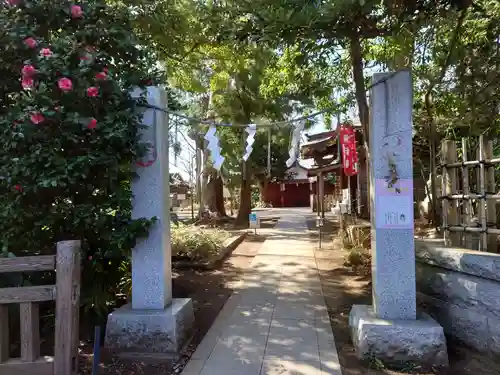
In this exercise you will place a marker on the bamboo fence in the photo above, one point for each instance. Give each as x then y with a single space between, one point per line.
469 205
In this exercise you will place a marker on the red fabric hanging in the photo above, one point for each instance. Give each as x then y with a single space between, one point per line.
349 153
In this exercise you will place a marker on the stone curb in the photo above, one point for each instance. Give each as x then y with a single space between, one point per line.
229 245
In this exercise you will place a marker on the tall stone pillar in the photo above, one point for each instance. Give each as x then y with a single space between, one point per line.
153 322
391 329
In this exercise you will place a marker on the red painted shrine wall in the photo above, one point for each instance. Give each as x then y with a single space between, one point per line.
295 194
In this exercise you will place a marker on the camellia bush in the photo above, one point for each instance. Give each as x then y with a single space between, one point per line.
69 134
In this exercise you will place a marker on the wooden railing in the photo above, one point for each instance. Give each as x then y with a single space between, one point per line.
66 293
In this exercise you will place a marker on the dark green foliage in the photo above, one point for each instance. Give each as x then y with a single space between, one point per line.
69 141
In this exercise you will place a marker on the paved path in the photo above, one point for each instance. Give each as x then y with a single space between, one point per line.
277 322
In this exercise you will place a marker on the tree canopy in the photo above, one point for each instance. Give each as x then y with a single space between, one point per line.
260 60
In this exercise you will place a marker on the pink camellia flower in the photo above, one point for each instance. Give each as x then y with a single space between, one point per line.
13 2
37 118
28 71
46 52
92 91
30 42
76 11
65 84
100 76
92 124
18 187
27 83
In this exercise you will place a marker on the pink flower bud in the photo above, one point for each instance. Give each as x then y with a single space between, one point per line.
18 187
76 11
27 83
46 52
37 118
65 84
100 76
92 91
92 124
28 71
30 42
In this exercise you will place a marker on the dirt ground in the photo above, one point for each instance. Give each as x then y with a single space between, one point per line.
209 291
344 287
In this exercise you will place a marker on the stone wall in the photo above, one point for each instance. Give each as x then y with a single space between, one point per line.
461 289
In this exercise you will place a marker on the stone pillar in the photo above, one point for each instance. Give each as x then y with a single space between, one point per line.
390 330
151 257
393 264
153 322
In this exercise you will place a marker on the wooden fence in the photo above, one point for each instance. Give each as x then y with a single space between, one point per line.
469 195
66 293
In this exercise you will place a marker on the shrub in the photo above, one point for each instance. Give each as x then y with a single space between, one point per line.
69 133
354 258
196 243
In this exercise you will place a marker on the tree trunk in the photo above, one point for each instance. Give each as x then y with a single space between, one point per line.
198 177
245 199
213 197
264 190
432 157
219 196
364 114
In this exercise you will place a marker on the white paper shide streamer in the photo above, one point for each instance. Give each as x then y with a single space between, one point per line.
294 144
251 129
214 148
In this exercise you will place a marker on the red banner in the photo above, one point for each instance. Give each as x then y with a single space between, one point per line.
349 152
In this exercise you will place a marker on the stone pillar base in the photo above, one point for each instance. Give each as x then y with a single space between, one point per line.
398 343
139 333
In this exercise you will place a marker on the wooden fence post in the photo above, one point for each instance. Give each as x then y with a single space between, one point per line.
483 244
30 331
449 176
491 211
67 307
467 206
4 333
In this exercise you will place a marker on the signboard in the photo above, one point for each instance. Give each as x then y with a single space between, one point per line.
394 205
346 200
349 152
254 221
181 197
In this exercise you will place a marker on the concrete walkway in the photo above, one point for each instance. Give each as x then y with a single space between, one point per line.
277 322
